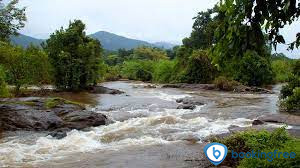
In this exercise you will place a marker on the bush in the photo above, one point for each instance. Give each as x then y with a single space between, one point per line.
200 68
112 73
259 140
138 70
291 146
290 93
163 71
254 70
225 84
3 87
292 102
282 70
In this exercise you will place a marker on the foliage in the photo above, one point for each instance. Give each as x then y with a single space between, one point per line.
225 84
200 68
39 66
56 101
292 146
258 140
202 36
74 57
259 14
148 53
3 87
138 70
112 73
24 66
290 93
282 70
292 102
12 19
163 71
254 70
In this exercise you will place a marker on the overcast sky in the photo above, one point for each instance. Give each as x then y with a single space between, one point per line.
150 20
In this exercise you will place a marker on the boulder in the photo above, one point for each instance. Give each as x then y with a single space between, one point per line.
186 106
281 118
257 122
104 90
34 115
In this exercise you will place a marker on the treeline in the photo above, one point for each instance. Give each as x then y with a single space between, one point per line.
221 49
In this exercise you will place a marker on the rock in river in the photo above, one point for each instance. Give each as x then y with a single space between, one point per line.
47 114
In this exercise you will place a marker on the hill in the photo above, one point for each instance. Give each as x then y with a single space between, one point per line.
25 41
108 40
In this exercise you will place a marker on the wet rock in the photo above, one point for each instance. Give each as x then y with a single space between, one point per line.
257 122
172 86
186 106
104 90
247 89
60 134
18 114
150 86
281 118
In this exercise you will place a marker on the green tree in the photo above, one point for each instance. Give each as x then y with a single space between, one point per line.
12 19
74 56
236 39
200 69
3 86
290 93
40 68
24 66
202 36
148 53
17 65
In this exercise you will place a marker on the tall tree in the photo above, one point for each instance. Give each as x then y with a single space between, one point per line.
202 36
74 56
12 19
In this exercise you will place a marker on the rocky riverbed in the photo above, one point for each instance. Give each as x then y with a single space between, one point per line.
131 125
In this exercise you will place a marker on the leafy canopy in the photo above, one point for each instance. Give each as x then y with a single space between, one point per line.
74 56
12 19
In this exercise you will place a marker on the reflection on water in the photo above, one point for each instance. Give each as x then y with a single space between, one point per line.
142 117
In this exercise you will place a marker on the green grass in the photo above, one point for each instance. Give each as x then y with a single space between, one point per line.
56 101
264 141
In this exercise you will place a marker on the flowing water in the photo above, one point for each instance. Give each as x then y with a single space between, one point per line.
144 119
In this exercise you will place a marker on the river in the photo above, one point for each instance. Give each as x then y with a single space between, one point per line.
148 129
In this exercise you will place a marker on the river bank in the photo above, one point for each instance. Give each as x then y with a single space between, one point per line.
148 128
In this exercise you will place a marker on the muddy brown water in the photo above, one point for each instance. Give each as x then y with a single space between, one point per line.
149 130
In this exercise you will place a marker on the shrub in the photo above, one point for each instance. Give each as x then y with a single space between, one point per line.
282 70
200 68
254 70
3 87
163 71
138 70
291 146
292 102
264 141
225 84
290 93
112 73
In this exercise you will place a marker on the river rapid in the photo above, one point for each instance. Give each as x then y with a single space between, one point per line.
148 129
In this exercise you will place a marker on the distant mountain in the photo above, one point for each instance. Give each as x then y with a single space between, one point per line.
25 41
112 41
108 40
164 45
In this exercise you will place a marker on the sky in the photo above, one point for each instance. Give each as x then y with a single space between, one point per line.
149 20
